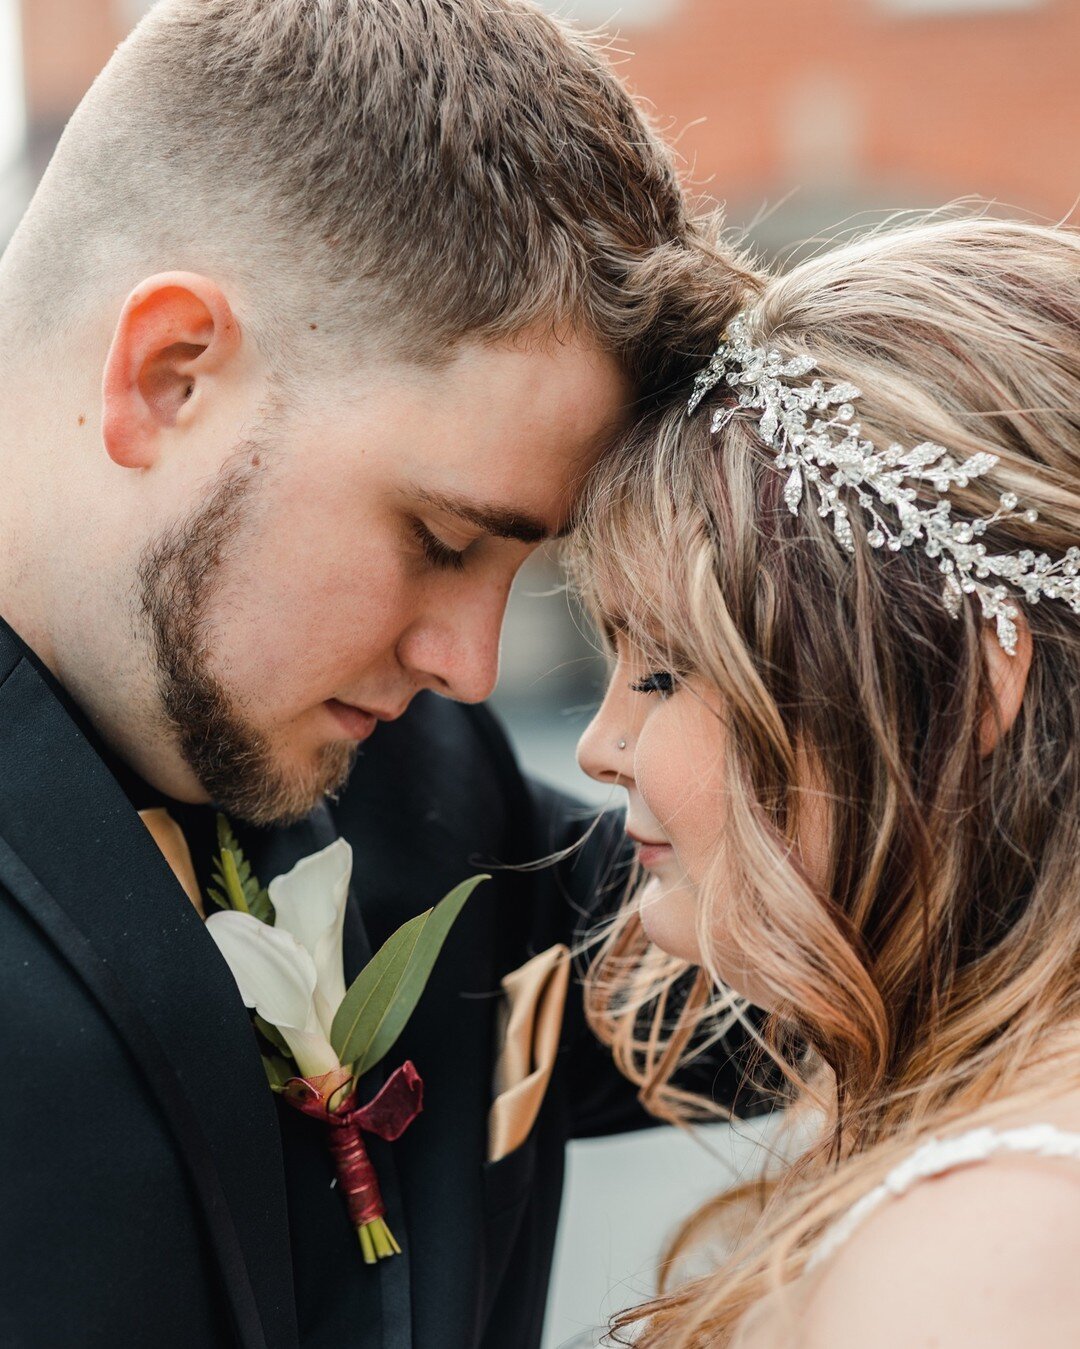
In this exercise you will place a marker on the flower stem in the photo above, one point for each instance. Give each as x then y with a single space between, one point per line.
377 1241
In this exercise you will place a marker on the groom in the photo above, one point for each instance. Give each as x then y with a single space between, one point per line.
320 316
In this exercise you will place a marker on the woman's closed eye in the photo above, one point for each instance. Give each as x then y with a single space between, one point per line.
437 552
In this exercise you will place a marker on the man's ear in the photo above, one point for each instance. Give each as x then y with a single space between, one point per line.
1008 680
175 330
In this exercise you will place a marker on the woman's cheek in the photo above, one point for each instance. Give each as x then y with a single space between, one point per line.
660 773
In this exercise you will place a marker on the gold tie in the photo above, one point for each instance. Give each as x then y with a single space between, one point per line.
169 837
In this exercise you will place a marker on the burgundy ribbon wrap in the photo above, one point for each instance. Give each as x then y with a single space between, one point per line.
387 1116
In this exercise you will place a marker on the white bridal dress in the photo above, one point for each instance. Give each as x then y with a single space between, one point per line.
933 1158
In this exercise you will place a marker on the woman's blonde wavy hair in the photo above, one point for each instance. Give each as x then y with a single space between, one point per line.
924 982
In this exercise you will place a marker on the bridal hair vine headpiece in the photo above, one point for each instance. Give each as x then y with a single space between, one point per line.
817 440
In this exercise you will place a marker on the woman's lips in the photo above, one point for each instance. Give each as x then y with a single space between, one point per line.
651 855
354 721
654 855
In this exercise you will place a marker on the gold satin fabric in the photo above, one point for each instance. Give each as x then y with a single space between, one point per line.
169 837
532 1017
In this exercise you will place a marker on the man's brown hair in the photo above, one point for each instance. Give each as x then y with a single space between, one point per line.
400 173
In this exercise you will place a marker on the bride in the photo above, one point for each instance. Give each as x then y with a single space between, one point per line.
842 591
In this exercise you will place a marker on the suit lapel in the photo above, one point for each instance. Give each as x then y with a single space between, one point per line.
76 856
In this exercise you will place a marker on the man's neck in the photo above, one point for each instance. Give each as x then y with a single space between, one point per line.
138 791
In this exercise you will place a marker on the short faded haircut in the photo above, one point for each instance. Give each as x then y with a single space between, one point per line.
403 174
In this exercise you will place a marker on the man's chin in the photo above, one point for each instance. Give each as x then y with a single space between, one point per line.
280 793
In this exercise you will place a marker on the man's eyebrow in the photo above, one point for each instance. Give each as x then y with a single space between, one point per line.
503 522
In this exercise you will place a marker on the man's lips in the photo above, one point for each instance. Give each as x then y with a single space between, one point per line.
356 722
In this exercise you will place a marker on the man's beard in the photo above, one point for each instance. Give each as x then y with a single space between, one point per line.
178 576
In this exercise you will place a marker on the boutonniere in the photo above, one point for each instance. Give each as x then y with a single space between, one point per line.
283 945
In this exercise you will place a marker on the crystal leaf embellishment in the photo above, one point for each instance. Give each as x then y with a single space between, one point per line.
817 440
793 489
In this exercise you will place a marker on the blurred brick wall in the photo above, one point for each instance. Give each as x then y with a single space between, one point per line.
831 93
840 97
65 44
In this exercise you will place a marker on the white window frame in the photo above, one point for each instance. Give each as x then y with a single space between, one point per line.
955 8
14 188
12 95
613 13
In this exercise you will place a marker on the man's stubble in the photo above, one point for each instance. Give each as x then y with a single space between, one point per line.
179 574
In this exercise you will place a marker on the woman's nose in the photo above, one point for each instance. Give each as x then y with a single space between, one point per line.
603 751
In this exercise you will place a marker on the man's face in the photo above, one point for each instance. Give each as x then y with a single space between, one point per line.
353 552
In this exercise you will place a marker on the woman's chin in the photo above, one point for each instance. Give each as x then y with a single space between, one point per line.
668 909
669 916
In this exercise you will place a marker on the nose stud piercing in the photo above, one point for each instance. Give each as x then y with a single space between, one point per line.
622 744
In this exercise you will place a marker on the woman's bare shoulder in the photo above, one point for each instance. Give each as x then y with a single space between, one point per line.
984 1254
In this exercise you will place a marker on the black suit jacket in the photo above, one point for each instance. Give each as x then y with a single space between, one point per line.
153 1191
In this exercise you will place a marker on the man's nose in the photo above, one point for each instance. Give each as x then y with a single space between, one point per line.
456 652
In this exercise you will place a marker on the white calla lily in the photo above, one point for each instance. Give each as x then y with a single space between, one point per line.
277 976
291 971
309 902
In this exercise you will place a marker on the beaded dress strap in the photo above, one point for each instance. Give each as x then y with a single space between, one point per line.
939 1155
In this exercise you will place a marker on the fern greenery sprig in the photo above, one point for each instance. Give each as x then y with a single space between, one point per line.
233 884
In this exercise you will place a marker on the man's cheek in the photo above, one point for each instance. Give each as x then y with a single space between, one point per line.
261 670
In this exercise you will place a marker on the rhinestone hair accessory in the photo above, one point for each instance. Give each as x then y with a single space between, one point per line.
819 445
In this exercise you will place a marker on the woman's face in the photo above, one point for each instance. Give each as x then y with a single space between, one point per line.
661 738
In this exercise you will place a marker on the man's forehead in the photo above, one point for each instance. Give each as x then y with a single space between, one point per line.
523 486
507 455
566 391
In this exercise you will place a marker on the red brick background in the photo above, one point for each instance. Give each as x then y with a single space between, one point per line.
843 103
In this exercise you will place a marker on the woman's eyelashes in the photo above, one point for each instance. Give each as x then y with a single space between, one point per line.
663 682
438 553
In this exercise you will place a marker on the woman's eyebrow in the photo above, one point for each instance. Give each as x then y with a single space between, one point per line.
503 522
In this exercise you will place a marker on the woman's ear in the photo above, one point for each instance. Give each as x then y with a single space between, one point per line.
1008 680
175 330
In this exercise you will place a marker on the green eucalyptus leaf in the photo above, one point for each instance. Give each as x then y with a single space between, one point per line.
384 994
368 997
278 1071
